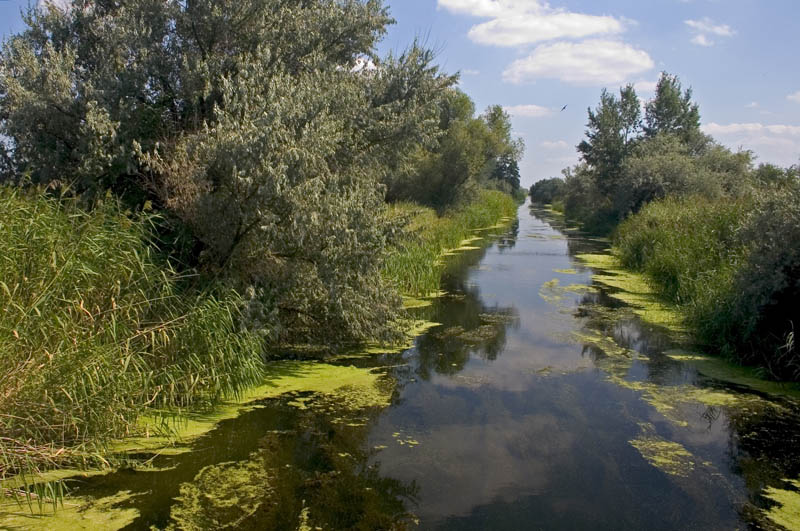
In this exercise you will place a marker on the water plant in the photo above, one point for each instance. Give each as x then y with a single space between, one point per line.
416 262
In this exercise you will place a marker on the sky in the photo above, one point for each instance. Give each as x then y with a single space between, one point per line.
533 57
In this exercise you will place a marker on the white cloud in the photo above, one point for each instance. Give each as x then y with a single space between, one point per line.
752 105
705 27
777 143
528 111
592 62
556 145
787 130
794 97
521 22
702 40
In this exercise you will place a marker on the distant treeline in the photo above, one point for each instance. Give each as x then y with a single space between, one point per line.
715 233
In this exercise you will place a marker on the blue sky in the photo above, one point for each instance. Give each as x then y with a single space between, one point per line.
533 57
739 56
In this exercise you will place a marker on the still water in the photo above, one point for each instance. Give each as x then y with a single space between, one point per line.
534 405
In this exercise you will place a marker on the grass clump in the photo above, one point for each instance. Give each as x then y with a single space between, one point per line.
731 266
96 327
415 264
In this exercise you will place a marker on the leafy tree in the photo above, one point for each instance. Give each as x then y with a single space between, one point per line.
249 122
470 152
612 132
548 190
672 111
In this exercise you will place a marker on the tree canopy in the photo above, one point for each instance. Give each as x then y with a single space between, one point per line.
265 127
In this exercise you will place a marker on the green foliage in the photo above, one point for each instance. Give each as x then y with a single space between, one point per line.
415 264
627 164
726 262
473 152
672 111
611 134
256 124
95 327
547 191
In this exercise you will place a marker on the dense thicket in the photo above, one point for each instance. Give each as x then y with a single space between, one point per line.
708 228
95 326
268 130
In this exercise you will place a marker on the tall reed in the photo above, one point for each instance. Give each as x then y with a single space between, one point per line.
95 327
416 262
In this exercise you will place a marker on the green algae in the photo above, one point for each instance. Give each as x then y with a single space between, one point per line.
634 290
77 513
720 369
786 512
354 387
553 292
605 343
566 271
223 496
413 302
668 456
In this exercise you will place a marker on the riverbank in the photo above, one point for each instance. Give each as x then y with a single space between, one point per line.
103 339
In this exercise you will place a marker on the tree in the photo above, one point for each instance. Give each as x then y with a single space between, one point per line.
612 132
248 122
672 111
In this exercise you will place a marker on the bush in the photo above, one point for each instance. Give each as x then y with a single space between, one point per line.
729 264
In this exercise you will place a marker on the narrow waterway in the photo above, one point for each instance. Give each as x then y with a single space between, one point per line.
535 404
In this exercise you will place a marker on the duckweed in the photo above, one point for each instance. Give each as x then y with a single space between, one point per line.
786 512
668 456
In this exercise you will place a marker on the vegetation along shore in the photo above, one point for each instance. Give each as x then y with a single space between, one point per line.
194 193
708 229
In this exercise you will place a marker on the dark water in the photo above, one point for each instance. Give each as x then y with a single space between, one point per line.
502 418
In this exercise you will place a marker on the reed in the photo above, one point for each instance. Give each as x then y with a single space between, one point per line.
416 262
95 327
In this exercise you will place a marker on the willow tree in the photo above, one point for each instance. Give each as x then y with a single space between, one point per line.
251 122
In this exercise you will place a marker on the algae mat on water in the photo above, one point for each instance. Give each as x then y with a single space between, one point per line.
351 388
634 290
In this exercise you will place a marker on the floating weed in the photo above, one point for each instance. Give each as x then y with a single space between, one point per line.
786 512
634 290
723 370
553 292
77 513
566 271
669 457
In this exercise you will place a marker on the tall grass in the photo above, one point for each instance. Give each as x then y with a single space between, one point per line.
95 327
732 265
416 263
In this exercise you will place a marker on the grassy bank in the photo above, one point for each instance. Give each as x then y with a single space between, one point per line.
416 263
98 330
731 268
95 328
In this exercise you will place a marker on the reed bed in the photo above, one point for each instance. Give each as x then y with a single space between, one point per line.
96 327
415 264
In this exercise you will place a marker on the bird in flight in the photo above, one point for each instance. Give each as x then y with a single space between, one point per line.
563 108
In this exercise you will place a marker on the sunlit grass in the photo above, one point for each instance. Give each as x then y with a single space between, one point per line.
416 263
95 327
